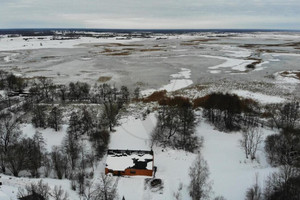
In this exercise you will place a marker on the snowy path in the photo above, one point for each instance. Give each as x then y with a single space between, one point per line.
133 133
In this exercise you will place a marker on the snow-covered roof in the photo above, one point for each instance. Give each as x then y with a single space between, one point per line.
119 160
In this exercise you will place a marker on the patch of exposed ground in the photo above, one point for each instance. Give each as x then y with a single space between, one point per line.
117 45
37 70
104 79
123 53
291 74
195 42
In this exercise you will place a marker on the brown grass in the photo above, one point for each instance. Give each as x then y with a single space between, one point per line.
107 50
124 53
129 49
41 70
286 73
117 45
156 96
201 40
103 79
48 57
188 44
146 50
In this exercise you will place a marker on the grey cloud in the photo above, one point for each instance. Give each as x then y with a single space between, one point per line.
154 13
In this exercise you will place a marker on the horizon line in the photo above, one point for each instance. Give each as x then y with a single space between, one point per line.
204 29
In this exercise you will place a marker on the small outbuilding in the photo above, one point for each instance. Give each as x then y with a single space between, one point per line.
129 162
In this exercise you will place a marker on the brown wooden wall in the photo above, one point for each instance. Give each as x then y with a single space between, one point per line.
130 172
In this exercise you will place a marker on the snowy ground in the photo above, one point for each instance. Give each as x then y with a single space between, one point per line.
51 137
261 98
173 66
46 42
231 174
180 80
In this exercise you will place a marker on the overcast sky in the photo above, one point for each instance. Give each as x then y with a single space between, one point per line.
150 14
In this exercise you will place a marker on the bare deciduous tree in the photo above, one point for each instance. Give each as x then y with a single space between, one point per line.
9 134
199 187
54 119
254 192
283 184
251 138
107 189
42 190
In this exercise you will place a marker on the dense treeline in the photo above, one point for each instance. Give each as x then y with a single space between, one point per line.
227 111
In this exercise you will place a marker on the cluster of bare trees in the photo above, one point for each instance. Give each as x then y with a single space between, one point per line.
200 187
17 152
42 119
284 148
251 139
43 89
41 190
176 125
227 112
10 82
283 184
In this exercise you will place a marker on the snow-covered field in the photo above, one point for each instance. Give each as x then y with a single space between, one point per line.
172 66
261 98
46 42
229 169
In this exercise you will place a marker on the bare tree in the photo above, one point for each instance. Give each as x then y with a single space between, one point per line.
55 118
285 116
137 92
251 138
59 194
254 192
36 151
111 111
71 148
59 162
283 184
16 156
176 125
39 118
107 189
42 190
46 85
62 92
9 134
199 187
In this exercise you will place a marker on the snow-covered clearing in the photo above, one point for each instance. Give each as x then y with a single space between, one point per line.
51 137
133 134
229 169
230 172
181 80
261 98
